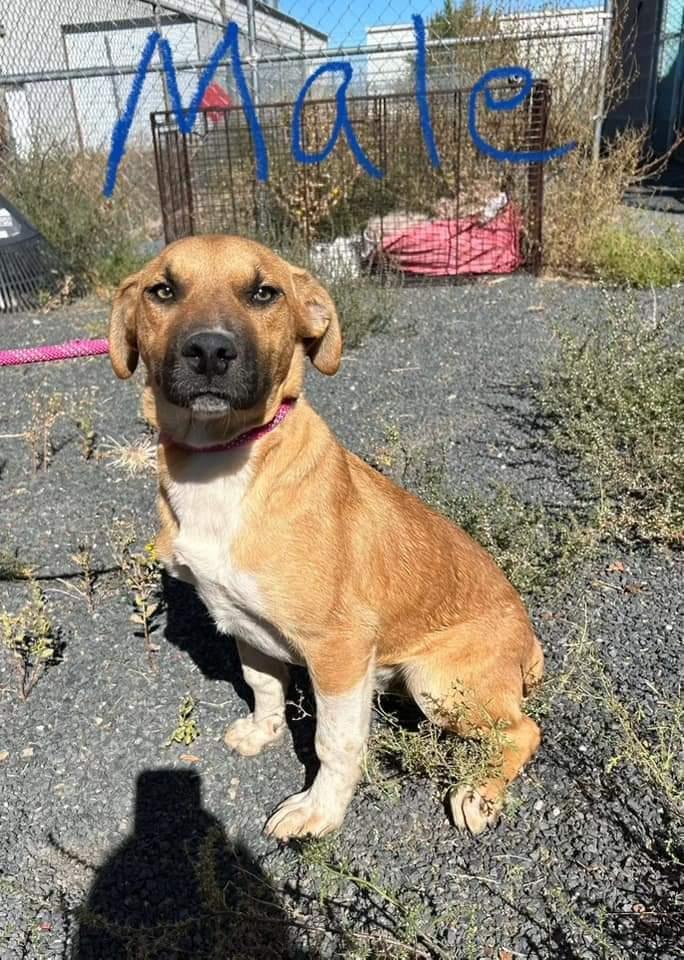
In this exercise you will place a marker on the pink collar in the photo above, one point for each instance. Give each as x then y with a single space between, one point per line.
248 437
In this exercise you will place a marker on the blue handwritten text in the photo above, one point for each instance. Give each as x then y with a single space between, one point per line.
229 44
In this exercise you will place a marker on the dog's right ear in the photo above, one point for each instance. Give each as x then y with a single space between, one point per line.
123 340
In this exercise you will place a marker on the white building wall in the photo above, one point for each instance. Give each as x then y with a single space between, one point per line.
550 55
60 111
387 72
392 71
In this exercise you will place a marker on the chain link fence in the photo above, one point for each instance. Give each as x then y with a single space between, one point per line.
67 68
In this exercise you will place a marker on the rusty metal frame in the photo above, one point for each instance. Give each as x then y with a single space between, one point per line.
175 164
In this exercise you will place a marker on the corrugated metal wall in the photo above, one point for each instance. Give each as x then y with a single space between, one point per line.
668 112
653 58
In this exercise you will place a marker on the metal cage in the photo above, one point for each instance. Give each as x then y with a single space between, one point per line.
426 221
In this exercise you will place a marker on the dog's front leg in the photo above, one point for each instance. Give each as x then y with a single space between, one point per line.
342 722
268 679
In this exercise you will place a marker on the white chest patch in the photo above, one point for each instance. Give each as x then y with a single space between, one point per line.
207 500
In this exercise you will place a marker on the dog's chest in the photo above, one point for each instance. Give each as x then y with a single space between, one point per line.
211 516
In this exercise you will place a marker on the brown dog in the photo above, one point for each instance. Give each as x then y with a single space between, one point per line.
300 550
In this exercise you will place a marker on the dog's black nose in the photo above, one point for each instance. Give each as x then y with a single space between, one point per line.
210 352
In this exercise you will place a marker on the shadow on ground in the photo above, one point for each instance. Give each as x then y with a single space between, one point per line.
190 628
178 887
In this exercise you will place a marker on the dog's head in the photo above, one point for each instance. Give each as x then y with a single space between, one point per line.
223 326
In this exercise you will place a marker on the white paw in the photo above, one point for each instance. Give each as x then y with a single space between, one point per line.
303 814
248 737
471 811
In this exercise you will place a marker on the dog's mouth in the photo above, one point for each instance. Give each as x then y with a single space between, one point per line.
210 404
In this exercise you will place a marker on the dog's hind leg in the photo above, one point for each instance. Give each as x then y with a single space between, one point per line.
474 687
476 807
268 679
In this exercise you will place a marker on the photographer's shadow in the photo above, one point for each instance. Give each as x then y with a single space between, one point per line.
178 887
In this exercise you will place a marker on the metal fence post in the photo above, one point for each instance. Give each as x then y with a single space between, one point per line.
72 94
604 60
259 188
253 52
539 109
157 27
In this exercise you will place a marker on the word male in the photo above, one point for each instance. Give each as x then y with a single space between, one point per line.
229 45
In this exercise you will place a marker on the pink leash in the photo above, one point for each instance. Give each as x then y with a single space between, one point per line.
59 351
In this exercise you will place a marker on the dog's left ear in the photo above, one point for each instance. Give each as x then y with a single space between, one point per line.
319 325
123 341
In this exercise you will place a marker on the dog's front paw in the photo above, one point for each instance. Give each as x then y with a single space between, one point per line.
471 811
249 737
304 814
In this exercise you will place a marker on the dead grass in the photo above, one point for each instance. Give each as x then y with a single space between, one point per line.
583 231
60 191
134 458
431 752
82 414
45 414
613 401
581 197
365 303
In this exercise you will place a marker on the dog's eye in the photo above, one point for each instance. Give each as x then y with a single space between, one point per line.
162 291
265 294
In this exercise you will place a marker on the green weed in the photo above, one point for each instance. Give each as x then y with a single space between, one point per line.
32 639
626 256
435 753
11 567
142 575
60 191
187 729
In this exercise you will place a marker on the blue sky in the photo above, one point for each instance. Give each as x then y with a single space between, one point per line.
345 21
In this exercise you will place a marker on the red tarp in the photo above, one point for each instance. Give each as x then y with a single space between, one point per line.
447 248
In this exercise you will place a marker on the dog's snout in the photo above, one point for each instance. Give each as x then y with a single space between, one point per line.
209 352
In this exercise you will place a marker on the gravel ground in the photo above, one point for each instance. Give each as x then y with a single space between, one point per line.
107 832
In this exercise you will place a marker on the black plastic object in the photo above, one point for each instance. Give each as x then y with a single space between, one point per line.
30 268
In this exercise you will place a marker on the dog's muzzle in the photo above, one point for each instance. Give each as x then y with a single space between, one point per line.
212 372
